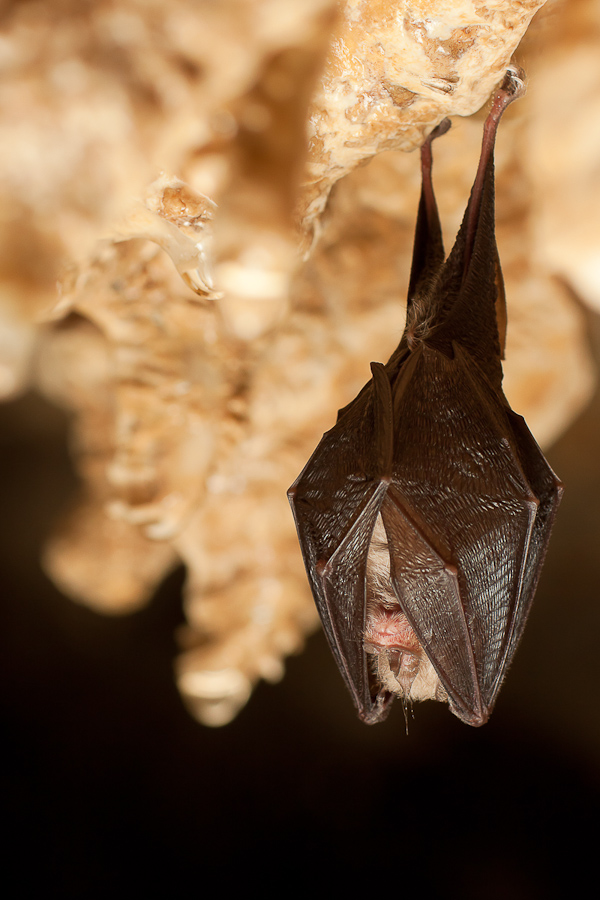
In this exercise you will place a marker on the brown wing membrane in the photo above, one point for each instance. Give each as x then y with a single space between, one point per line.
352 463
343 580
470 503
549 490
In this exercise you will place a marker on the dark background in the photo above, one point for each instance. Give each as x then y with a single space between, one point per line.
108 786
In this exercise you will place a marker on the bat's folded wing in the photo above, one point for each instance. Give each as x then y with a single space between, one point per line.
460 603
549 490
468 517
335 501
428 590
342 585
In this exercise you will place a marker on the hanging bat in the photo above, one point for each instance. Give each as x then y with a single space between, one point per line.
424 514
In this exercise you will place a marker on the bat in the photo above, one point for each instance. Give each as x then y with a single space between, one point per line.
424 514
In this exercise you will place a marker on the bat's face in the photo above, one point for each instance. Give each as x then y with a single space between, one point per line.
396 658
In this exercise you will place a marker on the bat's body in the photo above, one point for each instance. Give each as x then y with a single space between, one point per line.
424 514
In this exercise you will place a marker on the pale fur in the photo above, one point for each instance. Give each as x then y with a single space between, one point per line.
419 323
426 684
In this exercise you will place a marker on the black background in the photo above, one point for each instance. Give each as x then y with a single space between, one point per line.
109 786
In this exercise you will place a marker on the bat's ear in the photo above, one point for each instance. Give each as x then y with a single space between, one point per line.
428 252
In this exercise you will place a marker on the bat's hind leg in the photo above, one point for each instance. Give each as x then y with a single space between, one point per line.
426 167
511 89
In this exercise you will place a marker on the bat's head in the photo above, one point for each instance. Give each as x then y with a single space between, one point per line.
395 655
397 660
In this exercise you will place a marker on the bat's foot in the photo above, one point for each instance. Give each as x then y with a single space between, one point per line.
514 82
426 155
439 130
512 87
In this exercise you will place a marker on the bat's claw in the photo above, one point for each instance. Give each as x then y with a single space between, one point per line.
439 130
514 82
512 87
